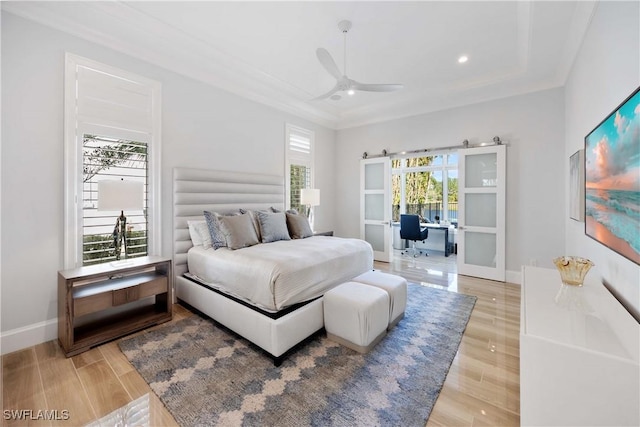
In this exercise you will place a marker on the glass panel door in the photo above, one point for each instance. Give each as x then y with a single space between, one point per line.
375 206
481 213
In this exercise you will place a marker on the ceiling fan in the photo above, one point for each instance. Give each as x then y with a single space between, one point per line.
344 83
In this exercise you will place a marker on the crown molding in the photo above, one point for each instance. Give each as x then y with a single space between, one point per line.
166 49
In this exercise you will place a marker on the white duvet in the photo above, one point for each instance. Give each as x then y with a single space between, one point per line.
276 275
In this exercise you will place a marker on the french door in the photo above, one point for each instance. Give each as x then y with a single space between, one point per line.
481 212
375 206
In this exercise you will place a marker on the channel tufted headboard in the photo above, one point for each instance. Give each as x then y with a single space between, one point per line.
197 190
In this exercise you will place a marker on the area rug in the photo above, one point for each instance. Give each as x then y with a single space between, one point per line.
206 375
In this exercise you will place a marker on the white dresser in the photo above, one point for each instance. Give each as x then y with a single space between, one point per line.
579 354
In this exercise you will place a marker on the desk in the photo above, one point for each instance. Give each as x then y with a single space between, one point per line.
445 228
432 227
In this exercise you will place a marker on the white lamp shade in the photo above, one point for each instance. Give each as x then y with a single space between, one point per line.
310 196
119 195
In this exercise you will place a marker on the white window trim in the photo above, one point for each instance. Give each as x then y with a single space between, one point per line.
289 157
73 133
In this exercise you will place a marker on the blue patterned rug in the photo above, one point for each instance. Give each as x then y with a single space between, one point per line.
208 376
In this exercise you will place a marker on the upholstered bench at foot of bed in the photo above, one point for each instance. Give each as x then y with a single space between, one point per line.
356 315
395 286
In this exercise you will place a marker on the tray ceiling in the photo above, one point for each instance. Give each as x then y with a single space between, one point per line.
265 51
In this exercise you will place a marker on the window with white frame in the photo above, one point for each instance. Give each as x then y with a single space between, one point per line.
105 158
299 164
426 186
112 132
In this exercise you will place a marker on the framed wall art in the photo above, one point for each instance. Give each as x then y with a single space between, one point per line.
576 186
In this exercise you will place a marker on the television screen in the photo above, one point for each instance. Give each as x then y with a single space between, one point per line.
612 180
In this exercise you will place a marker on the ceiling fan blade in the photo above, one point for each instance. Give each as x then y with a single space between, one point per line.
328 63
328 94
376 87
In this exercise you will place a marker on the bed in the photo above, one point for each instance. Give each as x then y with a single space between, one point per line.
287 308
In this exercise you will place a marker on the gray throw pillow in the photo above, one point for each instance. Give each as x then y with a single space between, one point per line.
238 231
273 226
254 220
298 225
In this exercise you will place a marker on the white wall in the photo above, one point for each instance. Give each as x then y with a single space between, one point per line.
533 126
606 71
202 127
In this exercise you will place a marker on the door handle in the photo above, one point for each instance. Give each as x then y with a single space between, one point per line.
386 223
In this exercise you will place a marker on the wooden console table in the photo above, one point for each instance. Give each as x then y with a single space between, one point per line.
101 302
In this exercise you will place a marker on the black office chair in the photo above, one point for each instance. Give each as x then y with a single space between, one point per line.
410 230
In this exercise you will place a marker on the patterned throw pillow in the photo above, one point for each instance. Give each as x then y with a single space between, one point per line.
218 239
298 226
273 226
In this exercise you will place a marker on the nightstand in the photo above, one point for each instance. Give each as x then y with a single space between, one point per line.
101 302
323 233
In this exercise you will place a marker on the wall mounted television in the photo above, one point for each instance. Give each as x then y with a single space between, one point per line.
612 180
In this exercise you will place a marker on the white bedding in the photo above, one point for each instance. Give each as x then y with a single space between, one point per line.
276 275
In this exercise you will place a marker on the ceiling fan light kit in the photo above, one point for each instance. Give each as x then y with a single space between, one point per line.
344 83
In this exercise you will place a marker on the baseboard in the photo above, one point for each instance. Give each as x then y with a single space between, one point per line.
514 277
26 336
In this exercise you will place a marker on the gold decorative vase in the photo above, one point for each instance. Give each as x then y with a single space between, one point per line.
573 269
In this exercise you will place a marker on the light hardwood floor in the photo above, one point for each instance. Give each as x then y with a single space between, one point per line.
482 387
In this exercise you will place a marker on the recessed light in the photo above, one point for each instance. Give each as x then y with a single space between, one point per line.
351 92
463 59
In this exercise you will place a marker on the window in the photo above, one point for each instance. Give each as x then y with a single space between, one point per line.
112 131
299 164
421 185
109 158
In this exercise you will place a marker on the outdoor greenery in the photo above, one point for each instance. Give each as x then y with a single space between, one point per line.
423 192
118 153
300 176
98 248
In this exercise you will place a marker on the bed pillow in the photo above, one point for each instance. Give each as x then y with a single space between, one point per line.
238 231
254 220
218 239
199 232
273 226
291 211
298 226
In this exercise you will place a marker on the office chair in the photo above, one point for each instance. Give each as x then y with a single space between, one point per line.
410 230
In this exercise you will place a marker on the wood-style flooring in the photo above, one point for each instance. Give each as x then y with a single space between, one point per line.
482 387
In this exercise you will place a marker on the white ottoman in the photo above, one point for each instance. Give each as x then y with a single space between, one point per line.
356 315
395 286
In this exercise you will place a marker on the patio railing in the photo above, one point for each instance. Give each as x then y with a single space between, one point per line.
428 211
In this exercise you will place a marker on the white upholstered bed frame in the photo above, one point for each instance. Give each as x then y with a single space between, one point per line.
197 190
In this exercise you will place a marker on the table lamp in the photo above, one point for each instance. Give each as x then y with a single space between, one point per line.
114 195
311 198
